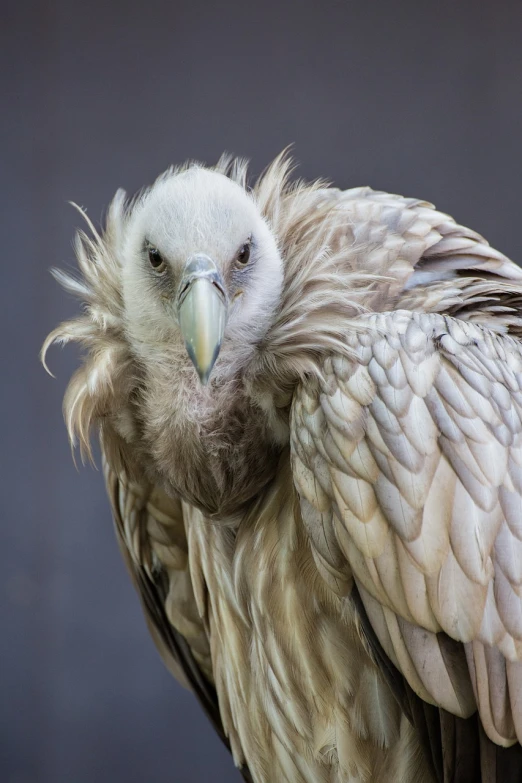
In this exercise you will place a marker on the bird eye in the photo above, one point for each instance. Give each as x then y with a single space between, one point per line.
157 261
244 254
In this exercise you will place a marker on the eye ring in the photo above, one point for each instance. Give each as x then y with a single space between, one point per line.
156 260
243 256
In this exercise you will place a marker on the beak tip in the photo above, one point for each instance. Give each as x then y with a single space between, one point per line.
203 370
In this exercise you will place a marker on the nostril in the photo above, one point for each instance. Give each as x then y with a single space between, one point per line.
184 289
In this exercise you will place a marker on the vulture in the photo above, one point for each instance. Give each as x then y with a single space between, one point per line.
309 402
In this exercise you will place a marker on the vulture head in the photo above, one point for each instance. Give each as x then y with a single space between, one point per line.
205 305
201 270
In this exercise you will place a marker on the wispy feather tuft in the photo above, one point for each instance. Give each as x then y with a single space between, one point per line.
99 385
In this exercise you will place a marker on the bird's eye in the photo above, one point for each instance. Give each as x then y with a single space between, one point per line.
157 261
244 254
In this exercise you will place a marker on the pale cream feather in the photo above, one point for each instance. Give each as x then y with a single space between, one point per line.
420 519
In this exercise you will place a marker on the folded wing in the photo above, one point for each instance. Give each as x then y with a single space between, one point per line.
150 529
408 461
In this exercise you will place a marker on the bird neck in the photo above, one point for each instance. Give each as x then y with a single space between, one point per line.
218 446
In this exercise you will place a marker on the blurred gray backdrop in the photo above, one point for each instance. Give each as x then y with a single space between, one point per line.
418 98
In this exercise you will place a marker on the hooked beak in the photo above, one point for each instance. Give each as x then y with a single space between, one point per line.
202 313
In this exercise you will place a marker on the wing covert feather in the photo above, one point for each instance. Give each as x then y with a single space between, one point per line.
410 456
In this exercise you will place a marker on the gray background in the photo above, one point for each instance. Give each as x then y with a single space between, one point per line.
416 97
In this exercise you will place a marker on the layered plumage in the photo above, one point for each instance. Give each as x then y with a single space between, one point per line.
327 539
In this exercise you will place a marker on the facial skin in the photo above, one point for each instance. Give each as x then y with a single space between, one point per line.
198 219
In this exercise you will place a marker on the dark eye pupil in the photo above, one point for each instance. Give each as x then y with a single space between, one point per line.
244 254
155 257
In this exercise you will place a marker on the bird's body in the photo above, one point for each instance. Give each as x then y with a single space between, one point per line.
326 536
